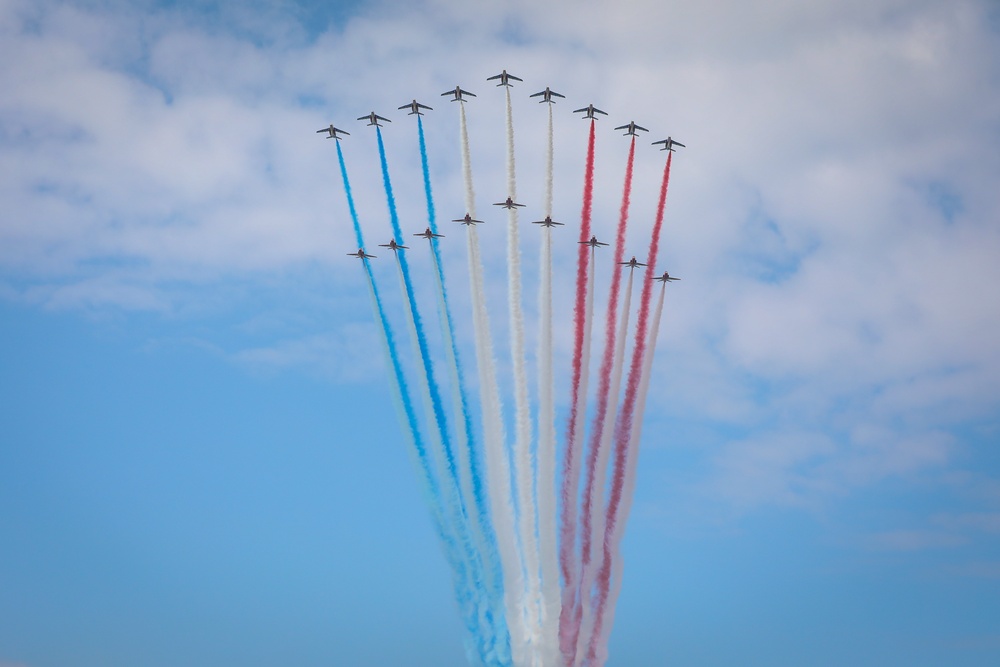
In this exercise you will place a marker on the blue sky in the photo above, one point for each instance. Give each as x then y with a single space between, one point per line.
199 462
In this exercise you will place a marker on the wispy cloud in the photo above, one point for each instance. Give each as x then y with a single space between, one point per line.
834 217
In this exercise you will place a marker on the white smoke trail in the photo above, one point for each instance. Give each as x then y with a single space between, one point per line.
548 168
524 463
523 460
547 438
497 466
628 492
598 520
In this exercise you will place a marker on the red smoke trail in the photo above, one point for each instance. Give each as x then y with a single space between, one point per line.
624 427
571 461
603 392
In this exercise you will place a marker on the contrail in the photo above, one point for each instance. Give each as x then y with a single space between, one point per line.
547 435
469 463
593 516
626 437
431 393
497 465
524 464
582 320
605 621
603 394
407 416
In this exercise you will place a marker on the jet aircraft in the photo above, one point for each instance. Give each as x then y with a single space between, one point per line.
415 108
508 203
631 128
505 79
428 234
589 111
632 263
668 144
392 245
547 96
467 220
332 132
361 254
666 277
547 222
373 119
458 92
593 242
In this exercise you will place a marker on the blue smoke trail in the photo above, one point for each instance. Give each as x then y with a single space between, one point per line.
359 237
404 407
458 509
494 573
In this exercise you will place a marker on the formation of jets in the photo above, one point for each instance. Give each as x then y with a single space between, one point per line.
508 203
668 144
373 119
547 222
547 96
505 79
631 128
415 108
665 278
467 220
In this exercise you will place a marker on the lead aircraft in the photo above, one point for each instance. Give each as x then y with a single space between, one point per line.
505 79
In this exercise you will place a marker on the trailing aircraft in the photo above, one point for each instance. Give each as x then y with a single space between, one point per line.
467 220
631 128
589 111
458 92
415 108
547 96
666 277
668 144
361 254
332 132
547 222
392 245
593 242
428 234
373 119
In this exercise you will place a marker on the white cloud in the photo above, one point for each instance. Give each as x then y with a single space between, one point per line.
834 217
